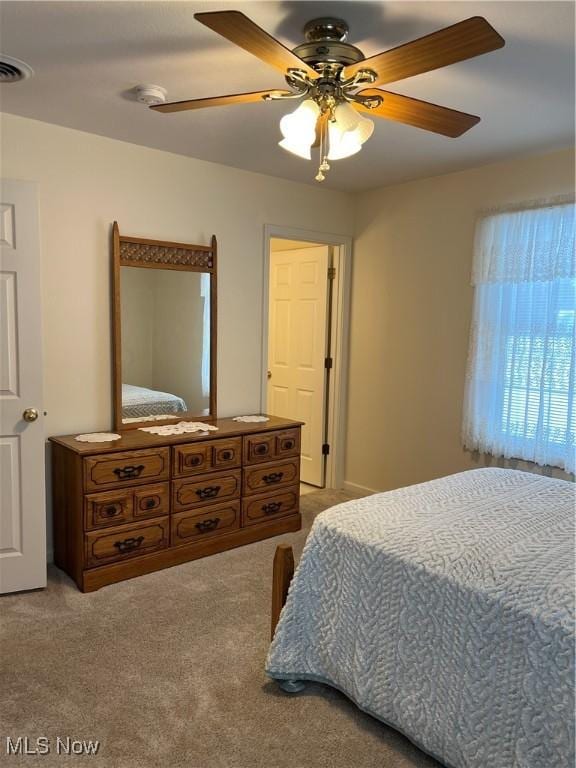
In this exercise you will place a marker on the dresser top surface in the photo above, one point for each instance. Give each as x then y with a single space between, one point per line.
134 439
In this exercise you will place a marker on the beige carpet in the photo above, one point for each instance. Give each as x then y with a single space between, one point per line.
167 670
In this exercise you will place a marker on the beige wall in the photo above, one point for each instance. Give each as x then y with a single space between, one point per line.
88 181
179 337
137 323
411 308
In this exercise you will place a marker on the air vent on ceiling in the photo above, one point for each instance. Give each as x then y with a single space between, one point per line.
12 70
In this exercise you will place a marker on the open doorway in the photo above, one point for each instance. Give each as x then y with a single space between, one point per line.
305 327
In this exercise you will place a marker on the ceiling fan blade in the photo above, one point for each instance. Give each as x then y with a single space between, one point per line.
459 42
215 101
239 29
420 114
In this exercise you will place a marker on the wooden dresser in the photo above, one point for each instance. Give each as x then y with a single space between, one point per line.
147 502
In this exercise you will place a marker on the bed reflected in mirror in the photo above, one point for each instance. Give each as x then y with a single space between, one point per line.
165 317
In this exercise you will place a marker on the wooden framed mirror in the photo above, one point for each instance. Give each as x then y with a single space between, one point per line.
164 331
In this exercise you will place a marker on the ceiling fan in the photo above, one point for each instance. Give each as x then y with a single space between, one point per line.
329 76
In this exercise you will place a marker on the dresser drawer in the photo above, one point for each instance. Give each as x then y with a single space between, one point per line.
259 448
125 505
207 489
268 506
287 443
113 470
107 508
151 501
271 445
270 476
188 527
197 458
125 542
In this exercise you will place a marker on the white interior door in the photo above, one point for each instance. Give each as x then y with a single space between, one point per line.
22 488
297 348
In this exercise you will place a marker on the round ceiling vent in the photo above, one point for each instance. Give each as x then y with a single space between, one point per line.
13 70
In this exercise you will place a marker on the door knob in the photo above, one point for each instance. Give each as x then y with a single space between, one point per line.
269 374
30 414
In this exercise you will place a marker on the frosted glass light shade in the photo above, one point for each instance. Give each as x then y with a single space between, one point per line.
364 129
341 144
299 129
347 132
302 149
346 117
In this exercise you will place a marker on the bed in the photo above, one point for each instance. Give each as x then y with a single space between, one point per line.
139 402
446 610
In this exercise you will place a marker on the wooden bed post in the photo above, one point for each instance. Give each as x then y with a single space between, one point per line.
282 572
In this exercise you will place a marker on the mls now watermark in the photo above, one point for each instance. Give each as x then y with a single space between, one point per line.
43 745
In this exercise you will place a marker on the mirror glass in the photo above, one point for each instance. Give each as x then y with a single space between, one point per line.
165 321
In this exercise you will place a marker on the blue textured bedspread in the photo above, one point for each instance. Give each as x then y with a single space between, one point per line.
139 402
446 609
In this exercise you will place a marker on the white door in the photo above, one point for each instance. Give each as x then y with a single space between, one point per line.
22 490
297 348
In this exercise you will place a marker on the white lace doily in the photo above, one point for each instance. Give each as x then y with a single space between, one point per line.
156 417
182 428
97 437
250 418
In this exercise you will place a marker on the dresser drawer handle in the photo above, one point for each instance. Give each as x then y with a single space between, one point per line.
273 477
208 493
261 449
288 445
150 502
270 509
208 525
193 461
129 545
227 455
127 473
111 511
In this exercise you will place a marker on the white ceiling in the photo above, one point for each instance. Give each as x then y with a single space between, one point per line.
87 56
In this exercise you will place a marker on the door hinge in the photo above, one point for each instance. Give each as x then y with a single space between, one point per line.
328 362
331 273
325 449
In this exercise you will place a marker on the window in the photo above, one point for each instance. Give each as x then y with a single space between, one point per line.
521 369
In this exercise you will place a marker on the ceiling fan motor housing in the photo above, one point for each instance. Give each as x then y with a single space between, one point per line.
326 43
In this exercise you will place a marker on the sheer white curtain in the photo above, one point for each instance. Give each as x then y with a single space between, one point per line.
520 381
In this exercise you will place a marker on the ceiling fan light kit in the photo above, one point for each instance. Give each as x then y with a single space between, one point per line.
329 76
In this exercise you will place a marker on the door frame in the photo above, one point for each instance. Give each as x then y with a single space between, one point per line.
339 335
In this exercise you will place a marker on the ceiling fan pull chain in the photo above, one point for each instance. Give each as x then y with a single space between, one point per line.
324 165
320 176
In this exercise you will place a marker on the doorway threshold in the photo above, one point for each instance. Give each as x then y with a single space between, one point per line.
305 489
